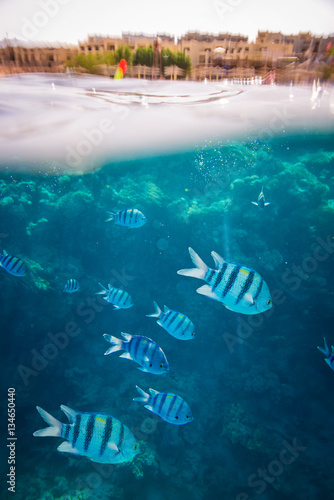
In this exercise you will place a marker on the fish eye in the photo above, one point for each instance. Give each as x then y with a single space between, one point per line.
150 364
176 417
187 416
135 447
268 302
161 366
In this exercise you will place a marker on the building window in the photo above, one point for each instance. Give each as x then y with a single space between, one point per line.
96 47
82 48
111 47
89 48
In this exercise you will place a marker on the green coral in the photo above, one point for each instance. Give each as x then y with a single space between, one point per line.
141 190
35 271
239 428
146 458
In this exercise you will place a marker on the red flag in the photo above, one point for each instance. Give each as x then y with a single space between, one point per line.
328 46
123 65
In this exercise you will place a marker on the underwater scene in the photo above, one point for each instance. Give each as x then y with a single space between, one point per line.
171 318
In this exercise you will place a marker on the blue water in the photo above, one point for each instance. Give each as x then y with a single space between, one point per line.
259 390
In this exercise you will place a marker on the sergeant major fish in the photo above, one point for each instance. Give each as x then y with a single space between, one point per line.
239 288
142 350
97 436
72 286
170 407
176 324
120 299
329 354
130 217
261 202
13 265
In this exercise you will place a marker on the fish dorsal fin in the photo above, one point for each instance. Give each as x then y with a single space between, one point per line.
219 261
153 392
4 253
70 414
166 309
126 336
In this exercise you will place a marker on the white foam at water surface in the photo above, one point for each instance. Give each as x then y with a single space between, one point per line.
79 123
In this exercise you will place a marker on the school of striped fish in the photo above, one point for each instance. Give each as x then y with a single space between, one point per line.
101 437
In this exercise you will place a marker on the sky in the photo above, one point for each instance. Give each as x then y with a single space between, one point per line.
70 21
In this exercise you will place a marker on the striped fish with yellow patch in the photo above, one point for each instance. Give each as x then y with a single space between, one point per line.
120 299
168 406
13 265
97 436
175 323
239 288
142 350
131 217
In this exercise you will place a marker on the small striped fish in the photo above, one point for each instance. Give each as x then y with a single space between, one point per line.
13 265
130 217
98 436
261 201
170 407
142 350
176 324
115 296
328 353
71 286
239 288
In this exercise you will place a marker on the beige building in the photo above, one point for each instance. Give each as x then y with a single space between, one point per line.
213 56
98 44
206 50
17 54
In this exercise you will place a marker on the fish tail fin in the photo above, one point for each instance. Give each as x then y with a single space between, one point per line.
117 344
200 270
144 397
157 311
55 426
102 291
111 216
325 350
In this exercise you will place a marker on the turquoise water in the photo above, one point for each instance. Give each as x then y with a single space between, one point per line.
258 388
